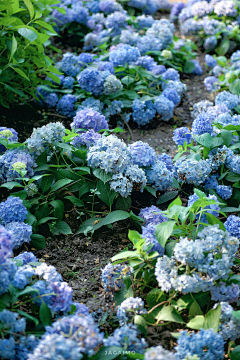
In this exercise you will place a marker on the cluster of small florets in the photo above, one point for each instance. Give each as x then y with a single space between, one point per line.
200 107
210 209
126 337
181 135
148 234
223 292
210 255
112 276
230 100
192 171
167 160
142 154
229 325
143 111
232 225
89 119
66 105
12 210
18 345
9 134
20 233
44 137
87 138
128 308
158 353
123 55
8 171
206 344
111 85
211 83
91 80
159 176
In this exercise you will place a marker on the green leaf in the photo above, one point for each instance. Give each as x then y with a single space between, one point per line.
154 296
195 309
27 291
108 353
28 34
122 294
189 67
60 184
38 241
205 140
212 319
46 182
14 46
123 203
61 227
105 194
102 175
75 200
30 7
164 231
196 323
42 159
31 219
11 184
224 47
58 208
124 255
30 317
141 324
200 193
167 197
45 219
227 137
234 87
169 248
45 314
232 177
229 209
21 73
177 201
151 190
235 354
169 313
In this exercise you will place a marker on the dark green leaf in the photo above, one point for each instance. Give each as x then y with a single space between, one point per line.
108 353
151 190
60 184
123 203
102 175
164 231
105 194
154 296
45 314
227 137
224 47
141 324
38 241
167 197
30 317
61 227
235 354
58 208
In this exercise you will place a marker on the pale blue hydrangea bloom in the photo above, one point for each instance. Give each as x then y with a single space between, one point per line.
159 176
142 154
20 233
89 119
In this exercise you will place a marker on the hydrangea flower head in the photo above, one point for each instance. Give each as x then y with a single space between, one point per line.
210 61
112 276
91 80
66 105
142 153
143 111
164 107
87 138
230 100
158 352
20 233
111 85
152 215
181 135
211 83
89 119
12 210
159 176
232 225
6 244
124 54
26 257
9 158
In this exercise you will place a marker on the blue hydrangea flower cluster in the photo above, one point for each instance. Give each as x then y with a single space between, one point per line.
158 352
89 119
223 292
126 337
211 182
20 233
134 178
6 244
159 176
230 100
225 8
143 111
87 138
172 95
175 10
211 83
148 234
164 107
224 191
200 107
211 256
66 105
11 157
91 80
232 225
12 210
152 215
26 257
44 137
181 135
167 160
112 276
229 326
142 154
123 55
192 171
197 344
128 308
210 60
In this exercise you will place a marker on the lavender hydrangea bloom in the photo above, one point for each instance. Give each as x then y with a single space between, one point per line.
91 80
26 257
147 62
172 95
68 82
158 69
152 215
210 61
89 119
202 124
106 65
142 153
20 233
230 100
164 107
175 10
201 106
66 105
12 210
144 21
6 244
159 176
167 160
211 83
225 192
87 138
171 74
23 276
228 293
225 8
181 135
197 68
190 344
235 57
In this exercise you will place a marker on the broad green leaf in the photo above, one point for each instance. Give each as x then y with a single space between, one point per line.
195 309
167 197
45 314
11 184
124 255
38 241
164 231
60 184
169 313
123 203
75 200
21 73
235 354
30 317
14 46
227 137
102 175
189 67
151 190
105 194
28 34
45 219
212 319
196 323
224 47
177 201
204 139
30 7
234 87
154 296
213 220
122 294
61 227
141 324
46 182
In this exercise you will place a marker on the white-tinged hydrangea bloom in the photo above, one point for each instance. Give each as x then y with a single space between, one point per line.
129 307
230 100
229 326
159 176
48 273
192 171
44 137
158 353
31 189
201 8
133 178
110 154
225 8
111 85
200 107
